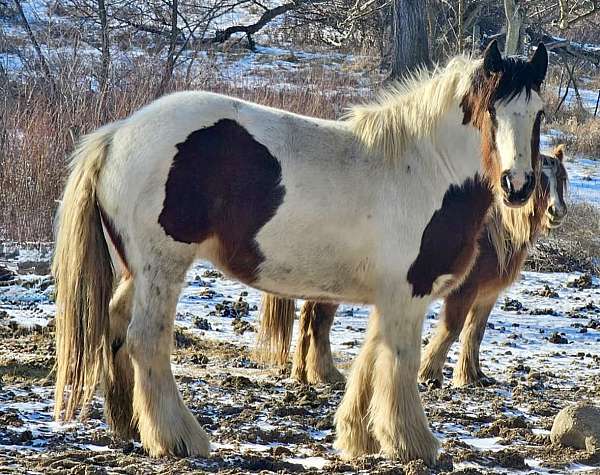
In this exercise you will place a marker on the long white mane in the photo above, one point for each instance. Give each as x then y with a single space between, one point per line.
410 109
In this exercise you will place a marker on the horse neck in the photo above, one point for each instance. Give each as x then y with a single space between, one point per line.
513 230
457 147
423 116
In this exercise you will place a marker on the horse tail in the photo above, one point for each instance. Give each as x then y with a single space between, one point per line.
276 328
84 279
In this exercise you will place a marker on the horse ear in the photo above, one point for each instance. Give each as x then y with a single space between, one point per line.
559 151
539 61
492 59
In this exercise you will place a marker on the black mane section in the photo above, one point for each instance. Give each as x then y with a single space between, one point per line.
517 75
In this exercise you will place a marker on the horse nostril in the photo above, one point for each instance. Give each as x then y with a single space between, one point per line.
552 210
506 183
530 182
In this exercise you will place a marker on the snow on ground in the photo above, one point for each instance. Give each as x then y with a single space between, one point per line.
516 351
257 418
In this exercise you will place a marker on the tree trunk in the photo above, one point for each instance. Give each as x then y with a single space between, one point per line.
170 63
410 47
515 16
461 28
105 64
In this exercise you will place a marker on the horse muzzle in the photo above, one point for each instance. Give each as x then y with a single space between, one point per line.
515 196
555 216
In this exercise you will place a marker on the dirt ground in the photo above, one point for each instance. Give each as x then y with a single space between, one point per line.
260 421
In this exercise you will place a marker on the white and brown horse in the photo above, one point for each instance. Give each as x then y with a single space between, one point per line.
379 208
503 247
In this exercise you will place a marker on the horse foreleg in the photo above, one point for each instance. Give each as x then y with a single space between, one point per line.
165 424
395 415
452 320
313 361
354 437
467 370
118 376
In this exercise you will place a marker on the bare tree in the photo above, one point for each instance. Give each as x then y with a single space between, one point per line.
36 46
249 30
105 61
170 63
572 12
461 26
410 47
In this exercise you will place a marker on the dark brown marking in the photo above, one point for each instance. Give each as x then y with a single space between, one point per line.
223 184
116 345
448 244
562 179
114 236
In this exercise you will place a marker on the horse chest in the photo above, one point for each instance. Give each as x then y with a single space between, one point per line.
448 242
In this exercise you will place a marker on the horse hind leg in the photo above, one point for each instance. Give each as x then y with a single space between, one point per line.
313 361
165 424
468 370
118 375
452 320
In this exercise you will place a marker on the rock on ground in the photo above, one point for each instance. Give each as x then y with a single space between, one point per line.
577 426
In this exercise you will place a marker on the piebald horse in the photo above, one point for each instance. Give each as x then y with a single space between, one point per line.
503 246
382 207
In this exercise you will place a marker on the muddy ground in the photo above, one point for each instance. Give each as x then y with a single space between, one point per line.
262 422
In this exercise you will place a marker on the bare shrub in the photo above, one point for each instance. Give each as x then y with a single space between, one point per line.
580 130
38 130
580 136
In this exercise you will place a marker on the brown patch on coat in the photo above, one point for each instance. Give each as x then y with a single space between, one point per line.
485 280
448 244
115 238
223 184
477 106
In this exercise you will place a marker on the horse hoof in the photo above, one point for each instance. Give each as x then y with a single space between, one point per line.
422 446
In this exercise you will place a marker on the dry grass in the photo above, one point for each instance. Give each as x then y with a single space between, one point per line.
580 129
38 130
581 135
575 246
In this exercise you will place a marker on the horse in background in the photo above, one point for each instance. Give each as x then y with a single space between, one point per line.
503 247
510 235
348 210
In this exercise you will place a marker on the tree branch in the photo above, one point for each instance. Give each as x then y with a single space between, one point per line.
36 46
249 30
